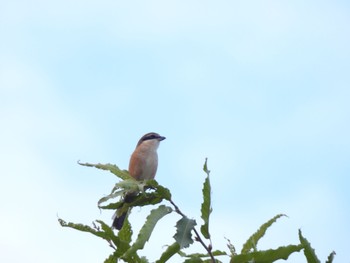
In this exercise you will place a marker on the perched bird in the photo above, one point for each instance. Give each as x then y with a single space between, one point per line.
142 166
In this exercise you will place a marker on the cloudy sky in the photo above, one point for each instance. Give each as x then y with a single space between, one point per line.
261 88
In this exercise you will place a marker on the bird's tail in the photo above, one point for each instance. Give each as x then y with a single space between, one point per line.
118 221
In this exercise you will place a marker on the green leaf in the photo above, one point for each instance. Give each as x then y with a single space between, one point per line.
85 228
103 231
164 192
126 186
142 199
155 196
169 252
112 258
267 256
194 260
210 261
183 232
147 228
200 260
110 196
231 247
330 257
219 253
108 231
309 252
200 255
205 167
160 190
131 185
122 174
112 206
206 208
125 233
252 241
144 260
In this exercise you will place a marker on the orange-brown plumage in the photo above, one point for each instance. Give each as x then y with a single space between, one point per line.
143 165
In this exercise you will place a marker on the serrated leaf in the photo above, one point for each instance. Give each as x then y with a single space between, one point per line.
206 208
205 166
144 260
164 192
110 196
267 256
160 190
125 233
106 228
201 255
330 257
309 252
199 260
194 260
131 185
169 252
183 234
252 241
147 228
231 247
112 206
219 253
84 228
103 231
112 258
126 186
143 198
210 261
122 174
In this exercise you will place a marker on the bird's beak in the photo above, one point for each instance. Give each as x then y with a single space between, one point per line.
161 138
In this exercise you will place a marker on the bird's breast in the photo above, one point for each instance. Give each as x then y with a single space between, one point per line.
143 164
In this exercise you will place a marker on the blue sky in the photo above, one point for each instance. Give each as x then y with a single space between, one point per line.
261 88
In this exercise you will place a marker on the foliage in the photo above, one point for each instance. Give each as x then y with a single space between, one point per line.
146 230
151 193
250 244
206 205
184 229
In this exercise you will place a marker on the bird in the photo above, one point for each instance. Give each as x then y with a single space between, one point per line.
143 165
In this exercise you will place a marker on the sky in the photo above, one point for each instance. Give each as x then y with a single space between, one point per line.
260 88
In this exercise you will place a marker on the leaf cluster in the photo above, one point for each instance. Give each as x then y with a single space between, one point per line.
151 193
